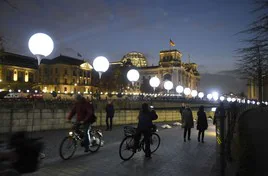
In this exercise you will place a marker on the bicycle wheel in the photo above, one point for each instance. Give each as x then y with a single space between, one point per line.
125 149
95 142
67 148
154 143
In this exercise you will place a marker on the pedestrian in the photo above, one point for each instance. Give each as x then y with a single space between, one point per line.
145 124
84 115
187 122
182 108
202 123
219 113
109 115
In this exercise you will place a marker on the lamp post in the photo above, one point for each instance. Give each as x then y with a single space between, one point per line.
168 85
194 93
133 76
179 89
201 95
187 91
154 82
41 45
215 96
100 65
209 96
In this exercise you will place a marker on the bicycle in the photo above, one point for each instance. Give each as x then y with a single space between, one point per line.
127 143
76 135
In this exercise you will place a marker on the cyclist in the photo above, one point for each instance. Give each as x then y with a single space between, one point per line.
145 124
84 113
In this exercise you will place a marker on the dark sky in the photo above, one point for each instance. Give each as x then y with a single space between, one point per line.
205 29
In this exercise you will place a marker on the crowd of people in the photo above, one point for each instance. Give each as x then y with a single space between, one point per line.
83 111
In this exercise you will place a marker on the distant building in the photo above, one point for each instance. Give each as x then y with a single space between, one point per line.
62 74
65 74
17 72
170 68
253 89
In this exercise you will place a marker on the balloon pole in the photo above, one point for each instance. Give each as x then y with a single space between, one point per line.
100 75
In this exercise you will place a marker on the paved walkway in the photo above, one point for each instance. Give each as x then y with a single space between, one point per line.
174 157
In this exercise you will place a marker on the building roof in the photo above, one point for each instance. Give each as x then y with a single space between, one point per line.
168 51
63 60
12 59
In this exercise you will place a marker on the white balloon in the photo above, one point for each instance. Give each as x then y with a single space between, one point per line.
179 89
41 44
168 85
133 75
154 82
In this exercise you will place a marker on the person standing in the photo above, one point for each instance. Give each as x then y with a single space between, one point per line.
84 115
202 123
109 115
182 108
187 122
145 125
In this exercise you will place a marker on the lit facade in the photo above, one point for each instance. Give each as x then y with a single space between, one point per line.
62 74
17 72
173 69
253 89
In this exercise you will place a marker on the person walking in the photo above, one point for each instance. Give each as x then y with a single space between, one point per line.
84 115
109 115
202 123
145 124
187 122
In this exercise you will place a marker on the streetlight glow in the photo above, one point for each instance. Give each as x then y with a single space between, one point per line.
187 91
179 89
209 96
222 98
101 65
154 82
133 75
194 93
168 85
215 96
201 95
233 99
41 45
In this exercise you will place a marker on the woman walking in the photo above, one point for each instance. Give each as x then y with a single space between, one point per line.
202 123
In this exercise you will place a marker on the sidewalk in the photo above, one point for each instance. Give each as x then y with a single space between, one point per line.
174 157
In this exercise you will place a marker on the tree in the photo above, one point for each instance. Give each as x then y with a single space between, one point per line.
253 59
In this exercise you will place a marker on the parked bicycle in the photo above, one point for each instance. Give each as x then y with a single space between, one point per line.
75 136
127 144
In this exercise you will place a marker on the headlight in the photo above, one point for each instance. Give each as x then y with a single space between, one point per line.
70 133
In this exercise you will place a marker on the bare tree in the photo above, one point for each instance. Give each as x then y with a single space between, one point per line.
253 59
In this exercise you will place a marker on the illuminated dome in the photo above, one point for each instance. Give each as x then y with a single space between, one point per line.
137 59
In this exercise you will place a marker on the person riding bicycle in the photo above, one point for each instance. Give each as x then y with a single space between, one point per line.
145 124
84 115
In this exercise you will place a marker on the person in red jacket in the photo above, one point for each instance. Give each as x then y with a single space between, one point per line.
84 113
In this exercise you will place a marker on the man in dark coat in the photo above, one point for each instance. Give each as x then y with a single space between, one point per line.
202 123
109 115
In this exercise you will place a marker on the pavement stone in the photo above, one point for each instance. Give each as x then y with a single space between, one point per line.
174 157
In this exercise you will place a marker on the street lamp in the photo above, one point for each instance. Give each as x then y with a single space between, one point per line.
187 91
233 99
133 75
154 82
194 93
229 99
179 89
168 85
101 65
200 95
41 45
215 96
222 98
209 96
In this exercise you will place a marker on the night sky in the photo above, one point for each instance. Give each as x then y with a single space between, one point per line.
205 29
